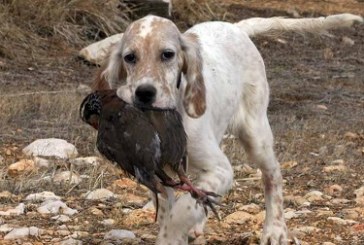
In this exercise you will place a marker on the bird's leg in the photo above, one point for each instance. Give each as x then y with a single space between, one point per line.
202 197
166 180
171 183
160 189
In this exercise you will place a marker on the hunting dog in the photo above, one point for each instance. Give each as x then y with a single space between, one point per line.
215 77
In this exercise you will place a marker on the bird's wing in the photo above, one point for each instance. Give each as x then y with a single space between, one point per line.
126 137
169 126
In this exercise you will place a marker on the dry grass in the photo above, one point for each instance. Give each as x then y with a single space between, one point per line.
191 12
28 30
307 7
29 33
98 176
29 116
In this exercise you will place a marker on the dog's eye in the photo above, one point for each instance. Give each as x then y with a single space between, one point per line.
167 55
130 58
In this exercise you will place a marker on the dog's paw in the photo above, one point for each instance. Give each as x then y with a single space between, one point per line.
275 234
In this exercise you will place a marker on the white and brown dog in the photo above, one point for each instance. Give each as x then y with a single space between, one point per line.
215 77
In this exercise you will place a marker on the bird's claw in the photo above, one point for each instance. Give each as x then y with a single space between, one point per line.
206 199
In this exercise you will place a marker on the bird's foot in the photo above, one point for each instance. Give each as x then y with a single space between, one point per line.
204 198
207 199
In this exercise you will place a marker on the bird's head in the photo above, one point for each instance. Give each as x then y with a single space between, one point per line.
90 110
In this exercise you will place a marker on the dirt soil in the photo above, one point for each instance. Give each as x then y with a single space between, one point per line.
316 112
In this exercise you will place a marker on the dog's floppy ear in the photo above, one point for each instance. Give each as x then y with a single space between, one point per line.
113 73
100 82
195 93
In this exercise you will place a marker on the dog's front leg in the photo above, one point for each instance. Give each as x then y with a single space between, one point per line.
214 174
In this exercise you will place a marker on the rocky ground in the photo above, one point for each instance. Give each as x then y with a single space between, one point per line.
316 112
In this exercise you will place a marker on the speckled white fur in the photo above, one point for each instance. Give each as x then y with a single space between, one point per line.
237 97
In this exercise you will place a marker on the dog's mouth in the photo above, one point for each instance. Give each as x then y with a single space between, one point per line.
147 107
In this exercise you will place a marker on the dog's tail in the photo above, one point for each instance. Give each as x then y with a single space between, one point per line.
277 25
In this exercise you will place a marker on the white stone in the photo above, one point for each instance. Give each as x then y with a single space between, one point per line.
6 228
250 208
360 201
340 201
108 222
99 194
153 237
322 107
51 147
55 207
41 162
149 206
335 190
67 177
66 233
350 214
126 210
313 196
6 195
338 162
347 41
61 218
96 211
80 234
63 227
289 164
70 241
21 167
359 192
118 235
239 217
307 229
42 196
18 210
335 168
86 161
303 211
324 212
23 232
290 214
306 204
34 231
339 221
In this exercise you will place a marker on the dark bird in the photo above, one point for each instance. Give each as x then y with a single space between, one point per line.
142 143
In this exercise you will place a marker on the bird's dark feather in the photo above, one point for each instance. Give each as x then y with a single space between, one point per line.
169 126
142 143
128 138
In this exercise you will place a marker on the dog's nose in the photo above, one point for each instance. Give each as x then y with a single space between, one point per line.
145 94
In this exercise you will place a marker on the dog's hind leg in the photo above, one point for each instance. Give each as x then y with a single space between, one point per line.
250 124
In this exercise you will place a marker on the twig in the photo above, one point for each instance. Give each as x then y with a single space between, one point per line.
209 9
249 179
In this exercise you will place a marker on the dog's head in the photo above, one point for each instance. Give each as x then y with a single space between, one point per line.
147 65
